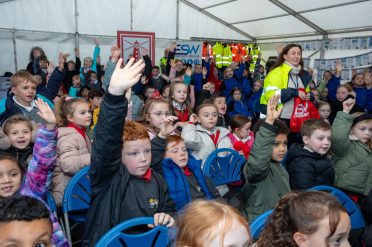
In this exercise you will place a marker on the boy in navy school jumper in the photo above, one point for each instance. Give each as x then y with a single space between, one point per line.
123 184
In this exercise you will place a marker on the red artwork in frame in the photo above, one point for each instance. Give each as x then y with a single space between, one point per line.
130 44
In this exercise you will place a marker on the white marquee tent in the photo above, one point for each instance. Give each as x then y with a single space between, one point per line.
60 25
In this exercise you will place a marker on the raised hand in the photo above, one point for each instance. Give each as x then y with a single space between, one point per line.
173 46
167 127
128 94
347 105
46 114
98 60
207 86
65 56
124 78
272 113
173 64
61 61
96 41
144 79
50 68
77 52
339 68
144 51
204 71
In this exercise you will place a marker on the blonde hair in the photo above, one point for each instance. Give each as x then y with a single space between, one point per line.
14 120
358 114
22 76
200 221
66 107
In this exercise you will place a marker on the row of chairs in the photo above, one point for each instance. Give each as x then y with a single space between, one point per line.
223 166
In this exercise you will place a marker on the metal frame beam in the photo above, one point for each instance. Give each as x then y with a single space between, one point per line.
5 1
218 19
219 4
298 16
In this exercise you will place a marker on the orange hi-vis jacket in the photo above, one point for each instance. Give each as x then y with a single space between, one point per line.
238 50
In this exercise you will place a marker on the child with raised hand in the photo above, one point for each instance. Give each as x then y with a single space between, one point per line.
352 150
179 98
123 184
18 138
212 223
241 136
307 219
153 114
266 179
89 64
201 134
37 179
73 146
307 164
24 221
182 172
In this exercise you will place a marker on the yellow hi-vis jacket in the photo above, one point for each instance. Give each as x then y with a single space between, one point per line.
218 52
227 56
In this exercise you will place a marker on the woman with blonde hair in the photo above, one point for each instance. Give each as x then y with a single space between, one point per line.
212 223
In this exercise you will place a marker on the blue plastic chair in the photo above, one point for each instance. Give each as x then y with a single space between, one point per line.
224 166
76 199
51 203
356 217
156 237
258 224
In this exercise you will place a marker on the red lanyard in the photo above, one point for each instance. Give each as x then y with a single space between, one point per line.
215 138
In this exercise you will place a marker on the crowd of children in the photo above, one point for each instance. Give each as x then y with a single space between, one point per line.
146 134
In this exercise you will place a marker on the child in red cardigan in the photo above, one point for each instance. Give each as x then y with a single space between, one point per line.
241 135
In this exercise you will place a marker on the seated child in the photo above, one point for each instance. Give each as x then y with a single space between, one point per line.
123 184
201 134
308 164
311 218
75 88
94 81
324 109
37 179
149 90
266 178
237 105
73 146
352 149
24 221
241 136
212 223
219 101
180 100
95 98
182 172
19 132
84 93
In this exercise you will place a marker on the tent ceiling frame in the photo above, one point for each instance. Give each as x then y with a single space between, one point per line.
299 16
218 19
303 11
218 4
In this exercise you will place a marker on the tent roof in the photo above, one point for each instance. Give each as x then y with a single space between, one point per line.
268 19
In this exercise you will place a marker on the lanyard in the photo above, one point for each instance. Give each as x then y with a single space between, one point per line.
295 82
215 137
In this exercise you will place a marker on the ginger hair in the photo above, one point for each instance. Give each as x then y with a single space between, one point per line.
203 221
134 131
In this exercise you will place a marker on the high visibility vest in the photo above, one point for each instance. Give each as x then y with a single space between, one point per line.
163 61
253 50
227 56
218 52
238 50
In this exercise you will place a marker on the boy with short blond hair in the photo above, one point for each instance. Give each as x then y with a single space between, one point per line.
308 164
123 184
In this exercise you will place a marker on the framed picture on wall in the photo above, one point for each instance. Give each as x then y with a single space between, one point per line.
132 44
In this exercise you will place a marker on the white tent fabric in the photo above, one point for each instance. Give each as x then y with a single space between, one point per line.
60 25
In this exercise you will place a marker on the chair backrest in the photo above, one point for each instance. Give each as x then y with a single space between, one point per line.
258 224
156 237
51 203
356 217
224 166
77 195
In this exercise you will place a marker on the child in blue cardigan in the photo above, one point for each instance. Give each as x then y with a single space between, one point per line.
183 175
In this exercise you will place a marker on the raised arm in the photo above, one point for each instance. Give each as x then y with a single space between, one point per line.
40 169
107 144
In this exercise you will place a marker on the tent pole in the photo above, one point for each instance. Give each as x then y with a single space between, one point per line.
15 50
131 15
178 20
76 26
324 39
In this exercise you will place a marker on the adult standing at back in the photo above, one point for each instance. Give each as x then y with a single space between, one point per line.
285 78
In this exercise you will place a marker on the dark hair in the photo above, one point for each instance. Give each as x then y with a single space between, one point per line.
82 89
22 208
233 90
32 52
309 126
8 156
95 93
215 96
300 212
155 67
43 58
353 78
285 50
281 126
166 85
238 121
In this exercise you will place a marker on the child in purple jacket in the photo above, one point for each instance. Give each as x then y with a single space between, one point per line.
36 180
